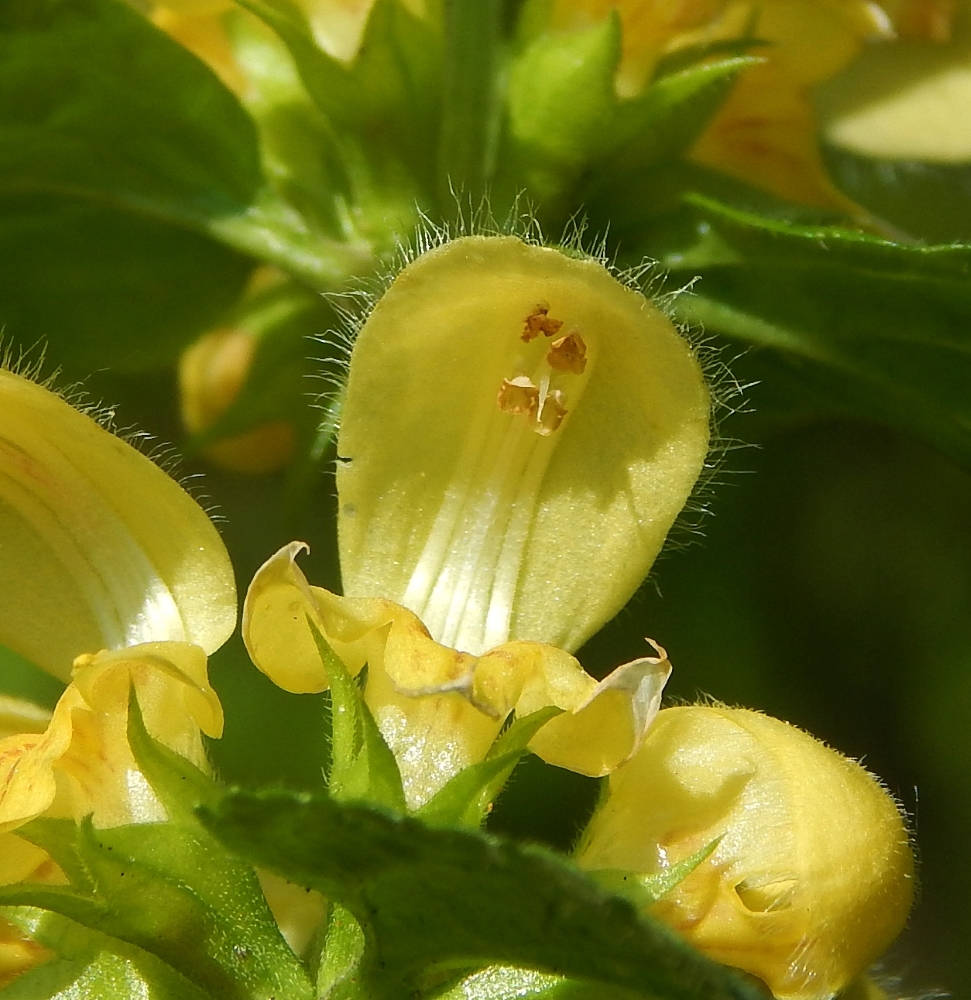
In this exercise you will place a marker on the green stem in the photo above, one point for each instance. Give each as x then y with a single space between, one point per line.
470 112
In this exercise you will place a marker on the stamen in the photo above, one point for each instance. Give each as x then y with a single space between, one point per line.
538 322
568 354
464 583
552 414
517 395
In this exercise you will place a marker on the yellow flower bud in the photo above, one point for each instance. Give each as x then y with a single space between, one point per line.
212 372
440 709
198 26
812 875
519 433
101 549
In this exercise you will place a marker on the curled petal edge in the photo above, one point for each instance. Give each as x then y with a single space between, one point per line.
603 723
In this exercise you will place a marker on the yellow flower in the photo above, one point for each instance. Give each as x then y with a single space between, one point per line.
909 100
100 548
520 431
812 875
440 709
82 765
101 551
766 131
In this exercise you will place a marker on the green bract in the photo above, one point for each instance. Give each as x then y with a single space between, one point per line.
520 432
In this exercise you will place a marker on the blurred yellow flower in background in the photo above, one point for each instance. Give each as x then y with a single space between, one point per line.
766 133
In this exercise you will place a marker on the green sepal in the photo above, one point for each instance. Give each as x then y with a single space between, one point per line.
299 150
467 798
363 767
645 890
181 897
382 109
664 122
91 964
471 98
339 975
436 899
59 837
178 783
561 102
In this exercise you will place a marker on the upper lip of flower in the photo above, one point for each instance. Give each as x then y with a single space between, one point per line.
101 548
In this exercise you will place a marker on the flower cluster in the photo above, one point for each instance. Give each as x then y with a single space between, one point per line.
480 542
521 428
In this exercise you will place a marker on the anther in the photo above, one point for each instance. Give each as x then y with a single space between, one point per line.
538 322
568 354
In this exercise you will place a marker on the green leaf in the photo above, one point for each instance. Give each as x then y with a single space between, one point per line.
927 201
433 899
181 897
116 149
363 767
882 329
500 982
101 103
124 163
645 890
100 286
467 798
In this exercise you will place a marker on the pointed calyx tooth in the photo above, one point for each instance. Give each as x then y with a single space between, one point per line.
568 354
517 395
539 322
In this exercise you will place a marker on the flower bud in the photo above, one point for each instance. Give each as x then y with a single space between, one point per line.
212 372
812 874
520 432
